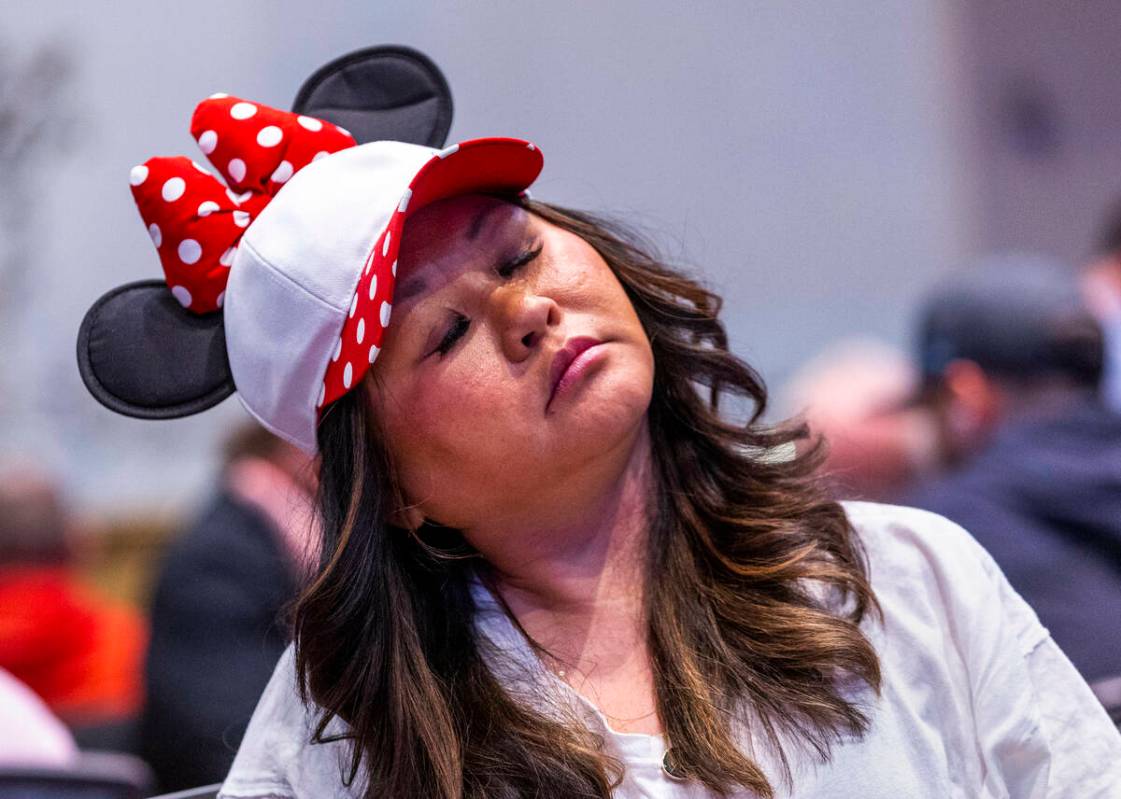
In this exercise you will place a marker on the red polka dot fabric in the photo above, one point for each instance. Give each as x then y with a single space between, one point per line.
195 221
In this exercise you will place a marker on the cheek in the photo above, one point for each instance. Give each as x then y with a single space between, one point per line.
447 427
583 284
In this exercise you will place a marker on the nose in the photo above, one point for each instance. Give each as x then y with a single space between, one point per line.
524 320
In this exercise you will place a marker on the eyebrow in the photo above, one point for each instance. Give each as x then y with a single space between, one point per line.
411 288
477 225
416 285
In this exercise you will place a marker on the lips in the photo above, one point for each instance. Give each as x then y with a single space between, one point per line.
571 350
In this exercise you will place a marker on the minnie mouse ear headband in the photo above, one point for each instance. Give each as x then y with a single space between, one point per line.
299 256
131 335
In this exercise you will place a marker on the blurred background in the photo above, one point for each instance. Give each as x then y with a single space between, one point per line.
826 167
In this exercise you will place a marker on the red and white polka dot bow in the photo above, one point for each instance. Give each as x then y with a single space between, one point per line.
194 220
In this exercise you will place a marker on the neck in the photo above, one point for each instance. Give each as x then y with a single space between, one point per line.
579 576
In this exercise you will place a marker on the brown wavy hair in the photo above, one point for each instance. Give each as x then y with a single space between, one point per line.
754 629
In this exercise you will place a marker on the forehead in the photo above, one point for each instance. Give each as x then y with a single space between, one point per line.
450 235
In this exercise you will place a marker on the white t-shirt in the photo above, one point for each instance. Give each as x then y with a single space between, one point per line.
977 700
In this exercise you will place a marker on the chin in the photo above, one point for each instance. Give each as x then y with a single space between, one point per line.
607 412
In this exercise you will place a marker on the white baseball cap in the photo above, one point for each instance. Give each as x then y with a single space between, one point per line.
311 288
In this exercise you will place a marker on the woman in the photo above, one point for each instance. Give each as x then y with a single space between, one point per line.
557 563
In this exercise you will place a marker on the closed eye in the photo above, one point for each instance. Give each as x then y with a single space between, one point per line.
455 333
508 269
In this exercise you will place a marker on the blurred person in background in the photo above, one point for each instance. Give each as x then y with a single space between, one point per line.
854 394
217 629
1011 363
77 650
1101 283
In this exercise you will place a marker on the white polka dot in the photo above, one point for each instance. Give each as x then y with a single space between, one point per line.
310 123
245 195
173 189
526 194
242 110
530 146
320 154
221 299
269 136
189 251
448 151
373 286
393 268
374 353
207 208
228 256
348 375
322 395
338 350
404 204
218 96
154 232
241 218
353 305
342 130
282 172
234 198
208 141
385 244
182 295
138 174
361 332
236 169
386 308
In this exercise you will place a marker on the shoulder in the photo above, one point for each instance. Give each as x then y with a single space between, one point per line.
924 566
965 658
894 530
278 756
903 543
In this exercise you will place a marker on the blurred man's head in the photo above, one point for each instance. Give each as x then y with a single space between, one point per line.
1101 277
854 394
279 481
251 442
34 527
1010 336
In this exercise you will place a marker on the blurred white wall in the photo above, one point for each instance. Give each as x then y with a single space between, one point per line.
1045 141
802 155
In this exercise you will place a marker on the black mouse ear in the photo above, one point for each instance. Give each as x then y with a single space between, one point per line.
386 92
141 354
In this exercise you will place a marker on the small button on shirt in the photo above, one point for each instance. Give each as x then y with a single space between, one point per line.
977 701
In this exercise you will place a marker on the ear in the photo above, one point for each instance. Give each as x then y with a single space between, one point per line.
141 354
385 92
976 402
409 517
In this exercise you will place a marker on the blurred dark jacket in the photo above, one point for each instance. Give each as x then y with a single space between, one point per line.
217 634
1045 500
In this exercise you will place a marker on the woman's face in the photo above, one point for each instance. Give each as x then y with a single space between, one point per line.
516 373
